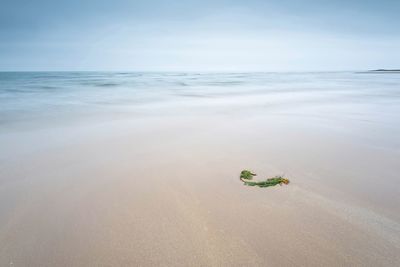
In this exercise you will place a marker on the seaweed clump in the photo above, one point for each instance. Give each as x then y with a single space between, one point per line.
246 177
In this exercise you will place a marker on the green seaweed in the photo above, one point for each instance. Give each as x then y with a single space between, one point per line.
246 174
246 177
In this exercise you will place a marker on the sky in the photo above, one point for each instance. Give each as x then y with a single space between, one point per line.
208 35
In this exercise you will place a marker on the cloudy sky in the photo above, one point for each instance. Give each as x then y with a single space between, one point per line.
208 35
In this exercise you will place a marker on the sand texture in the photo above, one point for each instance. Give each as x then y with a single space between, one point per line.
158 184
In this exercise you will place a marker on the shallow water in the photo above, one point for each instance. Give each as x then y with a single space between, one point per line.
38 96
106 168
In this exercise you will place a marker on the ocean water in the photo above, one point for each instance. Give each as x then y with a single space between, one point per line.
33 99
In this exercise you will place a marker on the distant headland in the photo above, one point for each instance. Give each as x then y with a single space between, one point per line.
386 70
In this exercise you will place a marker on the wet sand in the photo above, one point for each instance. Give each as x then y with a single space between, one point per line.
162 189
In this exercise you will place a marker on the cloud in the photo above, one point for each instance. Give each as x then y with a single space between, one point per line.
215 36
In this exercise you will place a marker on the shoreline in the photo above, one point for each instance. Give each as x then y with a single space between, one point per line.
158 184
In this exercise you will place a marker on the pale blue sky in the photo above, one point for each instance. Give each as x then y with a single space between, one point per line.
158 35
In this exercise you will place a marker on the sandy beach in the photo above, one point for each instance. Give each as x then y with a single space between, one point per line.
150 177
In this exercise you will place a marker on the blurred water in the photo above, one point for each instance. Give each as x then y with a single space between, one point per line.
33 97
